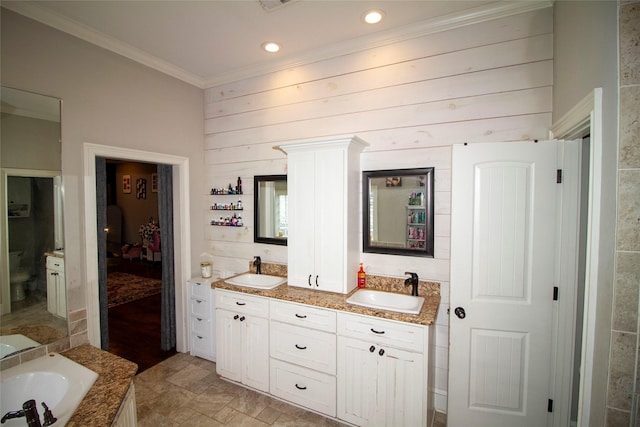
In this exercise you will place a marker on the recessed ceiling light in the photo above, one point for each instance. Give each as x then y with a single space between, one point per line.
271 47
372 16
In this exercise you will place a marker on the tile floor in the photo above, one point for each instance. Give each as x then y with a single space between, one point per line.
185 391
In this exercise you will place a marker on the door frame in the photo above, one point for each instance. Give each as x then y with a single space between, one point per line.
583 119
181 232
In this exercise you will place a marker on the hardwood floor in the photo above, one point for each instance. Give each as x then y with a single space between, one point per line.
134 327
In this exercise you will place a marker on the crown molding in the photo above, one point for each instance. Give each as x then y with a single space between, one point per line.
100 39
476 15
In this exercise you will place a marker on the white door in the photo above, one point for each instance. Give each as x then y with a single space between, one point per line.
503 219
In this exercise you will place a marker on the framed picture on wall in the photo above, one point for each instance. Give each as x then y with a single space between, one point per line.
154 182
141 188
126 184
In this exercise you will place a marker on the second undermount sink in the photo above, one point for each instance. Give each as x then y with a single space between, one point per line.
259 281
400 303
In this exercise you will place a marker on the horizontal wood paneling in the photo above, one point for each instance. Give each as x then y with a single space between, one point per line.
410 101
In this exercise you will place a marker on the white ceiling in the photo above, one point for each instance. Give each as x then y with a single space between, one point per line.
211 42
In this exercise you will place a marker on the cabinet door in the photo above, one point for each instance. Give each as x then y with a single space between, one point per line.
402 388
357 381
228 345
301 213
331 219
61 295
52 291
255 352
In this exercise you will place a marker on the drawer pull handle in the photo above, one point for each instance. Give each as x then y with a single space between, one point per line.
198 301
236 317
199 337
300 387
372 349
240 303
317 282
242 319
198 319
377 332
309 280
301 316
381 352
301 347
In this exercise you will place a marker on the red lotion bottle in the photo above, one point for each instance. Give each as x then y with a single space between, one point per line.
362 277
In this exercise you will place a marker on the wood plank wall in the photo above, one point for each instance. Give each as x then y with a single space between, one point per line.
410 100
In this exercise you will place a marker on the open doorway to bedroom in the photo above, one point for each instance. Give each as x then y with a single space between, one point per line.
134 262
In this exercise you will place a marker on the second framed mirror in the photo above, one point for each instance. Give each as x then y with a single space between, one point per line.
398 212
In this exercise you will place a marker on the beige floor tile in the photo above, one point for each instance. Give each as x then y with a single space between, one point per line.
225 415
199 420
243 420
269 415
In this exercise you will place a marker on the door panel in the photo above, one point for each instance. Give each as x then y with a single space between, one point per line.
502 276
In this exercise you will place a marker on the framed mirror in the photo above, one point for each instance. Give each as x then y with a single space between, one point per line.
398 212
32 294
270 203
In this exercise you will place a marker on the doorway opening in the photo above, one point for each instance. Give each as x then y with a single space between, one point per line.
179 232
133 263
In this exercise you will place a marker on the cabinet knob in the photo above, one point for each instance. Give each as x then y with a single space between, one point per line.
299 347
236 317
381 352
372 349
242 319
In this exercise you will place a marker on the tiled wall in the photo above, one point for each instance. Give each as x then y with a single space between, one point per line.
624 378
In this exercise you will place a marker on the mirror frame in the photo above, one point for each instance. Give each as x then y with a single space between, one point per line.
429 205
257 238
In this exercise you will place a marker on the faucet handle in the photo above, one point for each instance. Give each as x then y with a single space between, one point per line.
414 276
49 419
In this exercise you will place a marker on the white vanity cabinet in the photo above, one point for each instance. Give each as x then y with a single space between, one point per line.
202 318
323 187
56 289
303 355
382 371
242 338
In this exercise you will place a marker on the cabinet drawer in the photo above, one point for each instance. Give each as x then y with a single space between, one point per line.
239 302
303 315
304 347
201 343
200 289
201 325
55 263
305 387
199 307
399 335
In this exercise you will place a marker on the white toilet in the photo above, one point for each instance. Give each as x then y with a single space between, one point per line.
17 276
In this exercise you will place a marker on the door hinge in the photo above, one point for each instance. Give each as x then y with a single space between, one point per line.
550 405
555 293
559 176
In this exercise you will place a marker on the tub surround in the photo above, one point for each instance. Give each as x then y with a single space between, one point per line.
429 290
115 376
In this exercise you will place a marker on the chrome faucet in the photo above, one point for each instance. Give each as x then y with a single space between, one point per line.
257 262
413 281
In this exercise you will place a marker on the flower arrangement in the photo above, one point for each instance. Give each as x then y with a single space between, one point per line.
146 231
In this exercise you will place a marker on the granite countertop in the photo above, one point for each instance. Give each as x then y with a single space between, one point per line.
427 316
100 406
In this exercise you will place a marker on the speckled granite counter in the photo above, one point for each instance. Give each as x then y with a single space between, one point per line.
427 316
100 406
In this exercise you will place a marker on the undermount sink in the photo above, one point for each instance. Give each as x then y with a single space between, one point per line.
400 303
259 281
10 344
53 379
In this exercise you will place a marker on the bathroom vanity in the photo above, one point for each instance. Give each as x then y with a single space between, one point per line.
56 287
313 349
